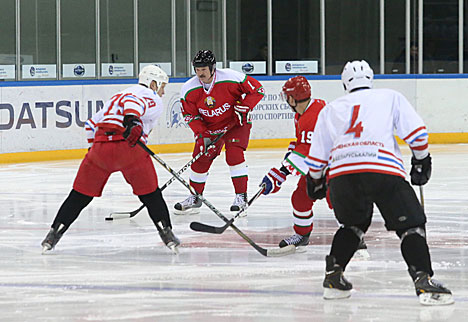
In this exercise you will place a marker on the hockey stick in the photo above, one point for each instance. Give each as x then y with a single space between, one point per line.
264 251
198 226
131 214
421 196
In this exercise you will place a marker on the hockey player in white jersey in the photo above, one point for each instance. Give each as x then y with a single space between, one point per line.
354 136
126 118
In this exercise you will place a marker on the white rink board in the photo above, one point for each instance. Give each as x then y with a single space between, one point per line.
42 118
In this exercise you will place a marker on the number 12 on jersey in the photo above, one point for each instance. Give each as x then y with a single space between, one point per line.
355 128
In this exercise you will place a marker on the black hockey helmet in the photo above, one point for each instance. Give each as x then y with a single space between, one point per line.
203 58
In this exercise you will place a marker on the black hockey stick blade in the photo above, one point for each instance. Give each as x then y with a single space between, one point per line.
198 226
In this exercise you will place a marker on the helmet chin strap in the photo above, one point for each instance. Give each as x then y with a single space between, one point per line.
212 70
293 107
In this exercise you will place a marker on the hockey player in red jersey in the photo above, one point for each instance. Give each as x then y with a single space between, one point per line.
113 132
213 102
297 93
354 137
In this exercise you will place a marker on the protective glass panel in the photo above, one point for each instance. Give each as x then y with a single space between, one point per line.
395 37
296 36
7 41
247 34
465 36
352 33
38 38
154 31
78 35
206 27
182 56
440 34
117 36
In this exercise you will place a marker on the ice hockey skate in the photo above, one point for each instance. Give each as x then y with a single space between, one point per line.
168 238
335 285
361 253
430 291
52 238
240 202
297 240
191 205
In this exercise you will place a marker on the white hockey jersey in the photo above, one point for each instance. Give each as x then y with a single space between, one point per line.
355 133
136 100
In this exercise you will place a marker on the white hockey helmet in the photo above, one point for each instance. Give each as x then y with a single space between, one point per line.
152 73
357 74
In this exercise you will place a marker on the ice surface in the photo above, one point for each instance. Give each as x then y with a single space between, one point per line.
121 271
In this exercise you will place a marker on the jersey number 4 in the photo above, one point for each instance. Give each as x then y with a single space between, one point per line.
355 128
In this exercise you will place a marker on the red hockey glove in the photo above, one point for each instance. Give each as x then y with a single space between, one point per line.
202 142
133 129
273 180
242 113
291 147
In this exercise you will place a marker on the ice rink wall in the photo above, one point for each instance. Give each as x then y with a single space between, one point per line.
44 121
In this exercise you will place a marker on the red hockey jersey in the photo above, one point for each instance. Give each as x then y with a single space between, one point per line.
213 109
305 125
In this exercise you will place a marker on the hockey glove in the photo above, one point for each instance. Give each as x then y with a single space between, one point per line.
242 113
291 147
273 180
420 170
133 129
202 141
316 188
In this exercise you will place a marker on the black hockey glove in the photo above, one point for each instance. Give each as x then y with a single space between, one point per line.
421 170
316 188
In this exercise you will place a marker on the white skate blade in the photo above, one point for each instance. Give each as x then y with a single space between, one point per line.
46 250
191 211
301 249
334 294
361 255
436 299
243 214
173 247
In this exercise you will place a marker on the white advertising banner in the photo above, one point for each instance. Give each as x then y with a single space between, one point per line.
42 118
39 71
7 71
249 67
79 70
166 67
117 70
296 67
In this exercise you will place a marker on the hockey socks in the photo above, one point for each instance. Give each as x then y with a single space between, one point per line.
345 243
416 253
71 209
157 207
